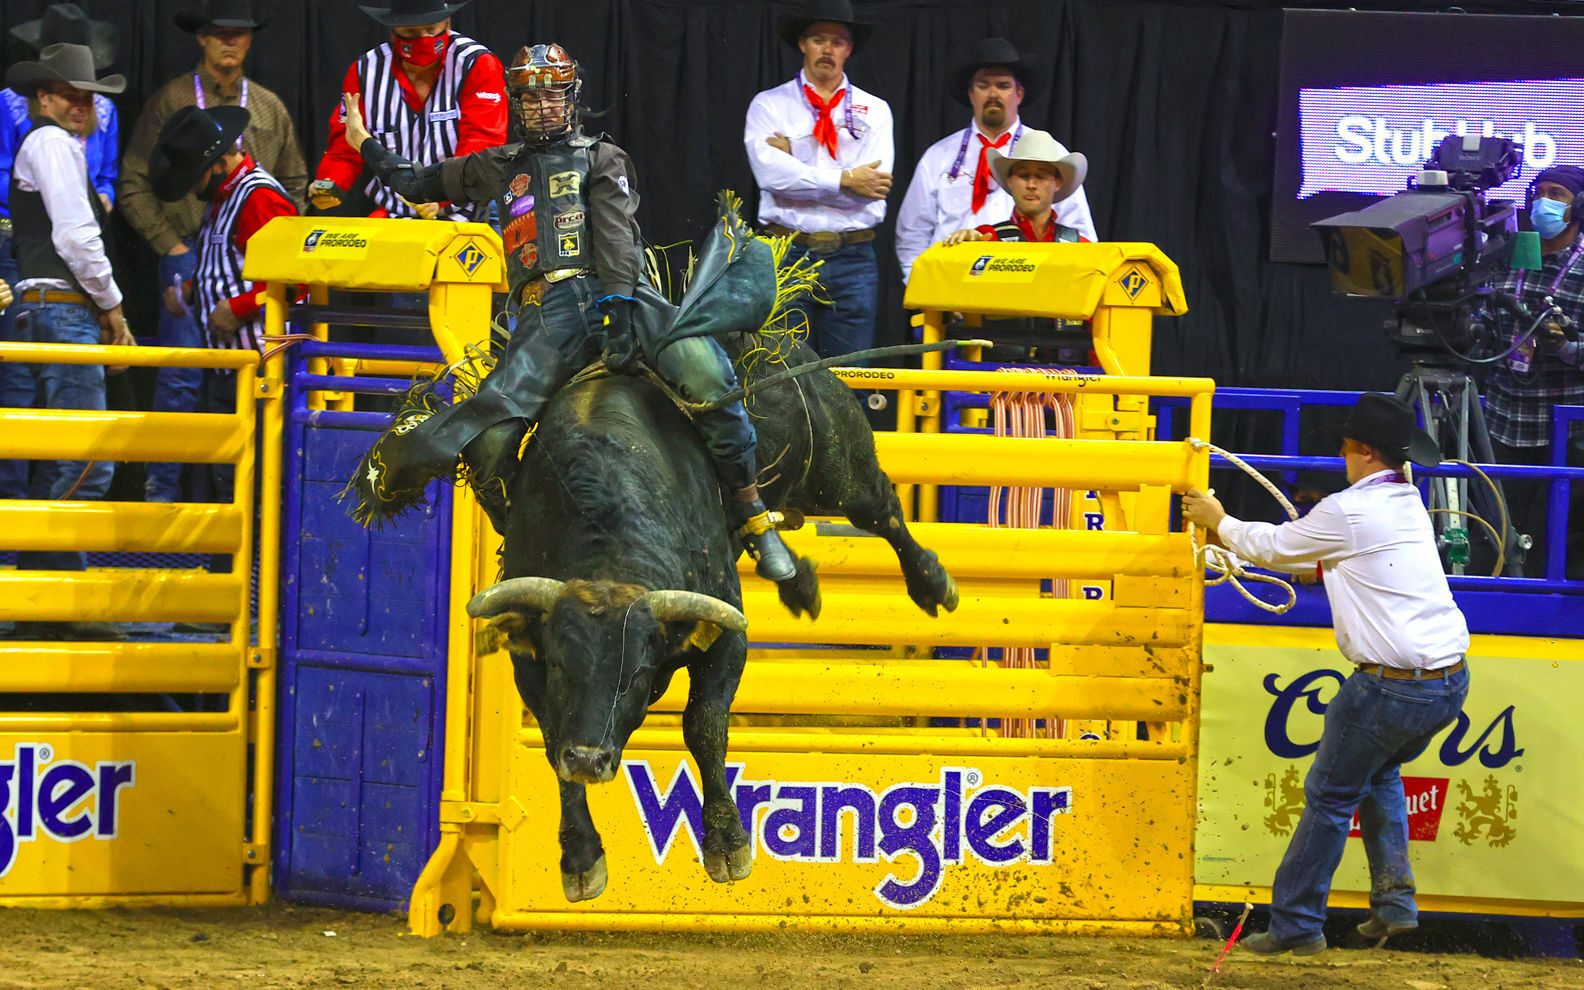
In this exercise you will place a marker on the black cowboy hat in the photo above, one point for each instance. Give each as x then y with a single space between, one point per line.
411 13
220 14
69 64
835 11
1388 424
997 52
67 24
191 141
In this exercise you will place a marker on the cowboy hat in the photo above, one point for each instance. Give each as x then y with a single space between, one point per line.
1389 424
997 53
67 24
1039 146
411 13
220 14
69 64
835 11
191 141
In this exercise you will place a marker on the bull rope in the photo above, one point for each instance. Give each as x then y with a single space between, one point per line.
744 392
1228 565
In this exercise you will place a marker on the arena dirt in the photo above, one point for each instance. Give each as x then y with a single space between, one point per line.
289 946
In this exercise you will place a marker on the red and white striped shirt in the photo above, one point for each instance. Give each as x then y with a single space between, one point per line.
248 199
464 112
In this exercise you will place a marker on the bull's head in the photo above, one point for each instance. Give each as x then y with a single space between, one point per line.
602 644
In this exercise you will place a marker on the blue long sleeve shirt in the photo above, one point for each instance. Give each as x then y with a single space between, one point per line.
101 147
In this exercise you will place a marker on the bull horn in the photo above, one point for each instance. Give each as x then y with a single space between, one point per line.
678 606
514 594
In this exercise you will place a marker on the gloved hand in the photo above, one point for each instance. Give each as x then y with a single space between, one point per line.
324 194
621 342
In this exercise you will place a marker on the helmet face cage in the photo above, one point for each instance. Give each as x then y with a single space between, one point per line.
544 83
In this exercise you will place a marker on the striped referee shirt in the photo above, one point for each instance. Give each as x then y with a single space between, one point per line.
1518 403
248 199
464 112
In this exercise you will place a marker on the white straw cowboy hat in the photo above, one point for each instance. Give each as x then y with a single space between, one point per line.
1039 146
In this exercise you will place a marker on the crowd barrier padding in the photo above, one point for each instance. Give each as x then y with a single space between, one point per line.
104 806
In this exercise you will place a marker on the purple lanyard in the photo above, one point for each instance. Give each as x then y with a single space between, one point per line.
1396 477
847 109
198 98
1555 282
962 152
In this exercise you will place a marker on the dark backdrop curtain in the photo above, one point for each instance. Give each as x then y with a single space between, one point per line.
1174 103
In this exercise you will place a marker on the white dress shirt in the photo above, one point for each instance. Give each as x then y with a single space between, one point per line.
51 163
1373 541
939 202
802 190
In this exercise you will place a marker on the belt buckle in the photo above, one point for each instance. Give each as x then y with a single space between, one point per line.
824 242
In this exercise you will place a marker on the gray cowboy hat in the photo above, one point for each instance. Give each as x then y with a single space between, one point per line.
1389 424
835 11
1039 146
67 24
220 14
69 64
411 13
997 53
191 141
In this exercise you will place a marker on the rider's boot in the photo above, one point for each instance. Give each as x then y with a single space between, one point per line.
492 465
755 525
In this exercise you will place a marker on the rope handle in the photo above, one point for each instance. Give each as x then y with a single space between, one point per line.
1228 565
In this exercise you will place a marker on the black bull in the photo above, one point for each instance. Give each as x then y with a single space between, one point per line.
616 516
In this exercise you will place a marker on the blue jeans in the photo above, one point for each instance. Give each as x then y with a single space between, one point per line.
17 381
175 389
851 279
65 386
1372 727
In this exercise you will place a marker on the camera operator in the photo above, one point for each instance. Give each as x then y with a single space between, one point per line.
1545 371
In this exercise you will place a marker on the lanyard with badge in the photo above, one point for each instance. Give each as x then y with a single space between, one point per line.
1522 357
198 98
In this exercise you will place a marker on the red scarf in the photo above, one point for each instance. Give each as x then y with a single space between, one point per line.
824 127
981 187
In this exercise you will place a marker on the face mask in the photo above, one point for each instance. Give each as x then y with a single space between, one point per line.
1547 215
207 191
422 51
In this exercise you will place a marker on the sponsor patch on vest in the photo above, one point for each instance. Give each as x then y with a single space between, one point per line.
565 184
571 244
569 219
335 244
520 205
454 113
524 228
519 185
621 180
529 255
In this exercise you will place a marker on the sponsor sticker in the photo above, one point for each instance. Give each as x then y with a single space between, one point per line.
520 205
529 255
62 800
524 228
1007 268
519 185
571 244
327 243
569 220
565 183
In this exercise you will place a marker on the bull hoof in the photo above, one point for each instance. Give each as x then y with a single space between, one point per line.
734 865
800 593
931 587
587 885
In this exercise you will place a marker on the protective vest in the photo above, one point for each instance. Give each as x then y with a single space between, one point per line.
35 253
544 209
424 136
1008 230
218 275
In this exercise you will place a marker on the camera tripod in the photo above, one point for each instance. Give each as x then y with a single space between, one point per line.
1449 406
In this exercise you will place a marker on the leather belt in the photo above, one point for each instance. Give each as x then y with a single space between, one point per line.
823 241
1411 674
54 296
534 289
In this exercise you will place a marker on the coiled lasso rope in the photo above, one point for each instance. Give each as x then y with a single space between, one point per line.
1228 564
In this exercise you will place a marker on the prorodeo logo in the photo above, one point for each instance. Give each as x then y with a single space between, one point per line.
470 257
939 825
322 238
1013 265
65 802
867 373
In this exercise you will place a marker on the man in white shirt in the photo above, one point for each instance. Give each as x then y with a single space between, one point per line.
953 188
821 151
66 293
1395 618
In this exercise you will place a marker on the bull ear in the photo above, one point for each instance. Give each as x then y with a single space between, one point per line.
515 594
690 606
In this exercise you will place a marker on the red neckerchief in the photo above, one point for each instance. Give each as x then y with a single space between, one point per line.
824 127
981 186
235 177
1026 227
